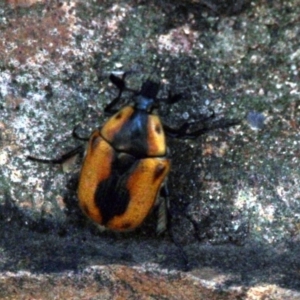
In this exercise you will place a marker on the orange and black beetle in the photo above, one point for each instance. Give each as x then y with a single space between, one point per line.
126 165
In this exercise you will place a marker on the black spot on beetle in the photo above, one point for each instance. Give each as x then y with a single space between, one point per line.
85 209
118 116
158 129
126 225
94 142
112 198
159 170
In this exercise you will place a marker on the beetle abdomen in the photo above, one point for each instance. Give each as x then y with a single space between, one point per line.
126 199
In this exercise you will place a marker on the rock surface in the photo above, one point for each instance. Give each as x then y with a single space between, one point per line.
234 192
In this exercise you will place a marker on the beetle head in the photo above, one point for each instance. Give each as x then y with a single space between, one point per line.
146 97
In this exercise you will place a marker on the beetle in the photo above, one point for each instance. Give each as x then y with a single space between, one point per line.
126 164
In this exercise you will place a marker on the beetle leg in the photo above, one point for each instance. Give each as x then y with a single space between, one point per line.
60 160
182 131
164 218
163 210
176 132
121 85
222 123
78 137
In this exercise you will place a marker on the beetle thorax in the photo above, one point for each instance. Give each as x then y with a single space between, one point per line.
136 132
144 104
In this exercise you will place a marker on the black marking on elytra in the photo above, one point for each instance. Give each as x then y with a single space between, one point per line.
158 129
118 116
126 225
85 209
159 170
112 196
94 142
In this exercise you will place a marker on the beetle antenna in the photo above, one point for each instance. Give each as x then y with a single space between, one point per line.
120 83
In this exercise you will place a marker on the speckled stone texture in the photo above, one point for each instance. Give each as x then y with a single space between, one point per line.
234 192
